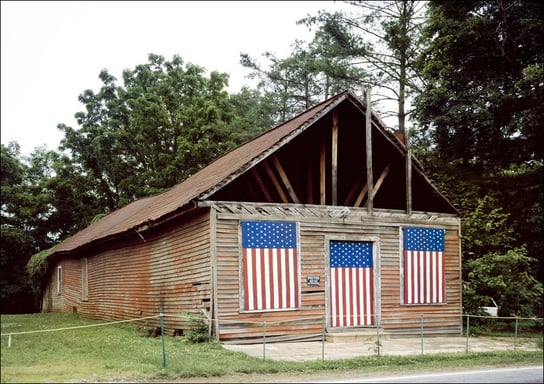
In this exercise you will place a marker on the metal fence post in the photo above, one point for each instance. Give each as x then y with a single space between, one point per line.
264 340
468 332
162 337
378 333
323 339
516 334
421 321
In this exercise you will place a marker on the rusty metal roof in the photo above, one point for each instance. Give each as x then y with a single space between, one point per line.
152 208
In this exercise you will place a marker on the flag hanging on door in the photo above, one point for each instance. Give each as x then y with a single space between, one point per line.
351 284
423 265
270 265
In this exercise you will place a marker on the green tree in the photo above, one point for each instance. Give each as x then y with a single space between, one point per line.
253 114
21 212
481 111
483 101
493 266
311 73
384 38
165 122
507 279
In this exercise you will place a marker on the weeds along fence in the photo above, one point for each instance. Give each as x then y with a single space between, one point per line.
510 330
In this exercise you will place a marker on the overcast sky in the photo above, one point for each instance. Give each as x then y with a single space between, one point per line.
53 51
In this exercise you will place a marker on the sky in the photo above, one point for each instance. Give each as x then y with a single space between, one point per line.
53 51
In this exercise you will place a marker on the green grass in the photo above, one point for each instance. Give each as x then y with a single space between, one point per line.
119 352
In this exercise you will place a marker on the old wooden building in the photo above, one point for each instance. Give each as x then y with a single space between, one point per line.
319 220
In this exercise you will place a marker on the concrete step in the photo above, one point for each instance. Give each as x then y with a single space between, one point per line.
367 335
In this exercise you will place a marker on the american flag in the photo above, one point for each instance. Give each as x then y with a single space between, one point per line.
270 265
351 284
423 265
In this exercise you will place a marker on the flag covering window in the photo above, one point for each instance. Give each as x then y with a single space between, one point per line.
423 266
270 265
351 284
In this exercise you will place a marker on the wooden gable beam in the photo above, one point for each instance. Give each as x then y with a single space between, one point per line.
310 180
353 189
368 145
322 172
334 158
261 185
275 181
364 191
285 179
250 186
361 196
382 177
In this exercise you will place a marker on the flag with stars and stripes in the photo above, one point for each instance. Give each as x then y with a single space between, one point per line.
423 265
270 265
351 284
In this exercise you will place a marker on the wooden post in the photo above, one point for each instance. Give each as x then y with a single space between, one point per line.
368 142
334 158
408 172
322 173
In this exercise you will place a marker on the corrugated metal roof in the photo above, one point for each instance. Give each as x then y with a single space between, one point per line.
154 207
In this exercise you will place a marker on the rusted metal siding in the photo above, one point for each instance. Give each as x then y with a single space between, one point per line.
168 269
316 226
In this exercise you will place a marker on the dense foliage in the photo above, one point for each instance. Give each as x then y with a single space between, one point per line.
165 122
480 120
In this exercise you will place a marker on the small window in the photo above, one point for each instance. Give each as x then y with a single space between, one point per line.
59 279
84 280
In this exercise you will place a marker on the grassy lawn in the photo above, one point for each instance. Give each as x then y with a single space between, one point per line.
119 352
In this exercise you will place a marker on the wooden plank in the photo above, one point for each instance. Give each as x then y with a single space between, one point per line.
261 185
310 181
322 173
353 189
285 179
368 144
334 159
213 327
381 179
275 181
361 196
408 173
251 189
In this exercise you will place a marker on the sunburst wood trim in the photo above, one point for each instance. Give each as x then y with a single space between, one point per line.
353 189
261 185
285 179
251 189
275 181
361 196
380 180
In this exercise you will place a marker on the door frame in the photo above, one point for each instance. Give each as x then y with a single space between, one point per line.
375 240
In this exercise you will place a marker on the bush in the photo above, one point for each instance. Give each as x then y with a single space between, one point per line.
199 332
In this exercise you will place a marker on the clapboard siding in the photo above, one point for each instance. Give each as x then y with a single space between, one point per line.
315 228
169 270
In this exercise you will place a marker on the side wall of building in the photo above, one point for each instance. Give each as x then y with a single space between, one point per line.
167 268
316 226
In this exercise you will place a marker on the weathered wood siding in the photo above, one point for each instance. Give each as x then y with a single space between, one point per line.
135 278
316 225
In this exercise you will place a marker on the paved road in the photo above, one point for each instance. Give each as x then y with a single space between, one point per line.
532 374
